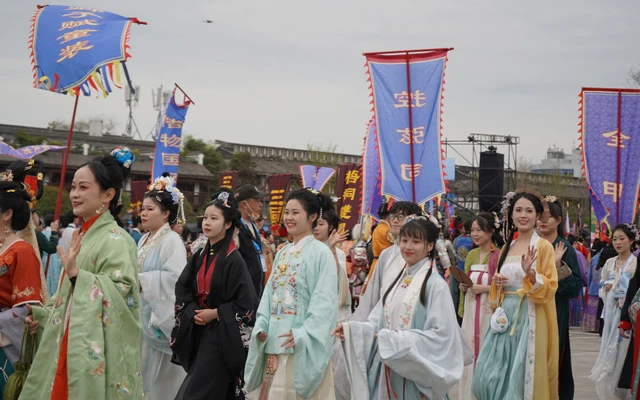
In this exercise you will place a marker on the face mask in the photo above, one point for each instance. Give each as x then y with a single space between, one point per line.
253 216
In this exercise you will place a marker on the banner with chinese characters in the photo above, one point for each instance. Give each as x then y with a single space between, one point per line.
371 195
166 157
77 49
406 91
27 151
349 192
228 179
315 177
610 144
278 186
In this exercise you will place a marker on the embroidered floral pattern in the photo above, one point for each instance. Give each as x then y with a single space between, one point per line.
95 351
56 320
18 294
115 234
285 292
95 292
99 371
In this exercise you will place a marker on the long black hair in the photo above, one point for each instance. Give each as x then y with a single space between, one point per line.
164 200
537 205
487 223
427 231
313 202
110 174
555 211
15 193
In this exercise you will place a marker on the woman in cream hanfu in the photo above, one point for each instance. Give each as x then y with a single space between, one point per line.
410 347
89 333
161 259
519 356
614 282
291 343
480 265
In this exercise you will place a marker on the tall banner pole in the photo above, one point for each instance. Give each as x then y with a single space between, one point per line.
65 159
413 175
619 133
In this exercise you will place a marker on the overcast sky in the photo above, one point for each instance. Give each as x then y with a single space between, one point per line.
290 73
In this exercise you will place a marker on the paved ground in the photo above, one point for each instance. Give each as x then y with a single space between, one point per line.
584 350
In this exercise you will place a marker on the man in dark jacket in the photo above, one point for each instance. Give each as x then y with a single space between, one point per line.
250 206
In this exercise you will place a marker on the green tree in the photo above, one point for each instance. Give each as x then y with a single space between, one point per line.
213 161
22 139
244 164
189 214
47 203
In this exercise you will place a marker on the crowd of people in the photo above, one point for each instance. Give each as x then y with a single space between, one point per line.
235 309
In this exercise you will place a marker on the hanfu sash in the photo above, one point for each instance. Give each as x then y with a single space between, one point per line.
204 278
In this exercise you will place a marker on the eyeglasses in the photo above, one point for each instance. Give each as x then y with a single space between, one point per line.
399 217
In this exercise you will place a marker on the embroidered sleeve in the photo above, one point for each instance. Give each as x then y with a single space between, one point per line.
25 280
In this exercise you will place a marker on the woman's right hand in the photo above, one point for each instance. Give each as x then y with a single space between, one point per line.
339 332
463 287
500 280
31 323
262 336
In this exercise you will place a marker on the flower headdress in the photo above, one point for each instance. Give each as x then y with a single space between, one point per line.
633 230
426 217
496 220
6 176
165 183
224 198
124 156
550 198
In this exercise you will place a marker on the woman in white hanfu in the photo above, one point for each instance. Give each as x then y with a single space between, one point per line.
410 347
614 282
475 309
161 259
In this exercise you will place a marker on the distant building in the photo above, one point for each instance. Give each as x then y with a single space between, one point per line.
559 162
195 181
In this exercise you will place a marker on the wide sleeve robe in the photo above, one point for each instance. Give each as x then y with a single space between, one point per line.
426 358
300 297
102 310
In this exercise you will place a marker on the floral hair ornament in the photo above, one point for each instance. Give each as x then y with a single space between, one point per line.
496 220
633 230
165 183
124 156
6 176
223 197
550 199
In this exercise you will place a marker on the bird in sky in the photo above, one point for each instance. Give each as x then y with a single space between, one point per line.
208 21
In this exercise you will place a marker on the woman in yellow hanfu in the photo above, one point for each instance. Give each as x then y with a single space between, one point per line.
519 356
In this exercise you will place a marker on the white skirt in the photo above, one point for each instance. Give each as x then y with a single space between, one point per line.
282 385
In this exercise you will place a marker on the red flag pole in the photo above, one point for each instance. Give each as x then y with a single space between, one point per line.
65 158
413 179
618 191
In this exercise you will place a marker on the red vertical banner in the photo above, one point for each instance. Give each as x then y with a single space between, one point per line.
349 192
138 189
278 187
228 179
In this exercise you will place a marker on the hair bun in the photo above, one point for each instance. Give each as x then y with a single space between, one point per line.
124 156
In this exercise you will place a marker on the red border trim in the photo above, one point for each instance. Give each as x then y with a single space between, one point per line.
402 57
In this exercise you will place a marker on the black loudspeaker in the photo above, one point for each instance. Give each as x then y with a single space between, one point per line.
491 181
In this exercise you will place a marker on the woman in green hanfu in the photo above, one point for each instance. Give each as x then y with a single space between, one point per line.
89 333
291 344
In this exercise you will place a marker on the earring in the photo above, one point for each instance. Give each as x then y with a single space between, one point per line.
100 210
7 232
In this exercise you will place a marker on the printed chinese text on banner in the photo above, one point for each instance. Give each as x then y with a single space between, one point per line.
371 196
406 90
610 143
278 187
77 49
315 177
229 180
349 192
166 157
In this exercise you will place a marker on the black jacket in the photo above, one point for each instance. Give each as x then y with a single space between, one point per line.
251 257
